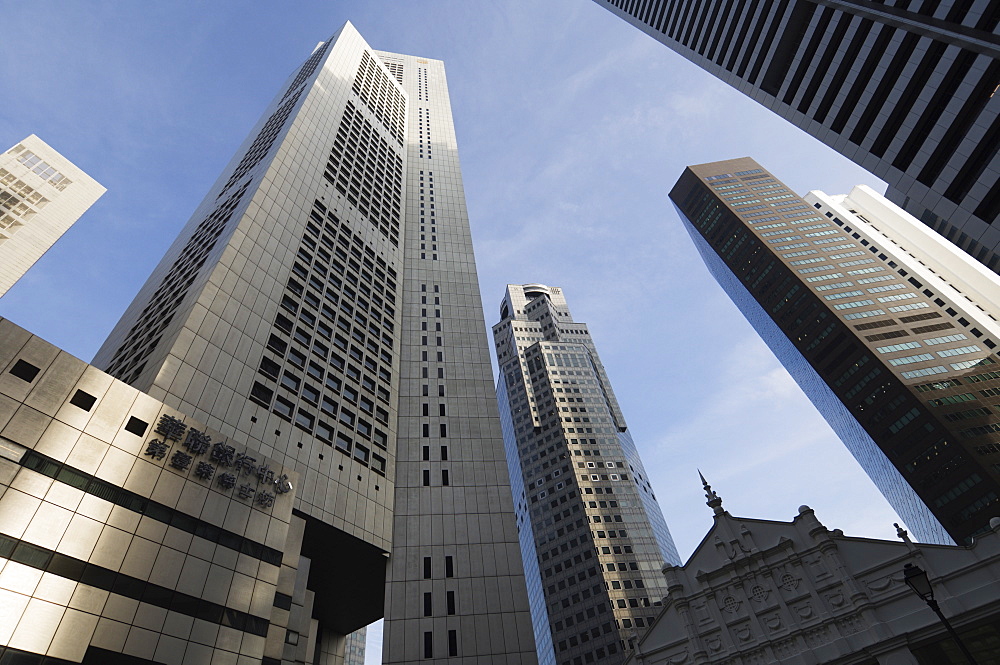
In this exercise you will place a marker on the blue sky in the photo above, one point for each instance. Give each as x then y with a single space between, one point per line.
572 128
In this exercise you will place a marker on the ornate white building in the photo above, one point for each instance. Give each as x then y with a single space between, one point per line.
759 591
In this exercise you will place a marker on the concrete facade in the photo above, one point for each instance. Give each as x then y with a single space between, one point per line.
905 90
130 532
760 591
888 328
592 535
41 195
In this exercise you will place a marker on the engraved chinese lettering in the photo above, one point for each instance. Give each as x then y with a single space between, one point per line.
227 480
204 470
265 474
157 449
197 442
282 484
223 454
265 499
246 491
170 428
180 460
245 463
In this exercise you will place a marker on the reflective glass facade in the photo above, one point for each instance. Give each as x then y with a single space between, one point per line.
894 358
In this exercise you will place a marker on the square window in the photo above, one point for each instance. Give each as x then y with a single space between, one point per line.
261 394
136 426
83 400
25 371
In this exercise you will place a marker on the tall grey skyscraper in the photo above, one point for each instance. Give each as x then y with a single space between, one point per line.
41 195
905 89
593 537
310 439
889 329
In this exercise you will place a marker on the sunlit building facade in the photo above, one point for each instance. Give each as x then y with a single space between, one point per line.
889 329
592 535
42 194
318 441
905 89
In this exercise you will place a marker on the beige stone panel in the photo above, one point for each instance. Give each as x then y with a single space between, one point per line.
117 466
12 605
110 634
16 511
58 440
89 599
139 560
95 508
26 426
65 496
170 650
54 387
88 453
73 635
111 412
48 526
37 626
121 608
140 643
111 548
31 482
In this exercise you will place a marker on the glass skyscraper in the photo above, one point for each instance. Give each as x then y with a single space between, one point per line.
906 89
888 328
593 537
295 431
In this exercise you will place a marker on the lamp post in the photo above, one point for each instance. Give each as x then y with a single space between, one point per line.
916 578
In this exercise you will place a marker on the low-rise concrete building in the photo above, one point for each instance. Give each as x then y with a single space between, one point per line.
759 591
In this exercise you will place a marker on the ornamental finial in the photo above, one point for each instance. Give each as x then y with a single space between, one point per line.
714 502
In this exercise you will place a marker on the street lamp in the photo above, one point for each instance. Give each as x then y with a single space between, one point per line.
916 578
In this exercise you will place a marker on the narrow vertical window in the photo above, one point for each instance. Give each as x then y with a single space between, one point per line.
426 430
452 642
427 567
427 453
449 566
444 477
428 645
427 604
441 410
444 430
444 453
451 602
427 478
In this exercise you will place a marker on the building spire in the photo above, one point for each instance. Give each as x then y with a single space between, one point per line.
714 502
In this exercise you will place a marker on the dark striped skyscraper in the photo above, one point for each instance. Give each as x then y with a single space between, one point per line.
889 329
905 88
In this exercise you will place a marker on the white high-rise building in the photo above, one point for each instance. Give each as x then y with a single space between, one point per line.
41 195
593 537
318 326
